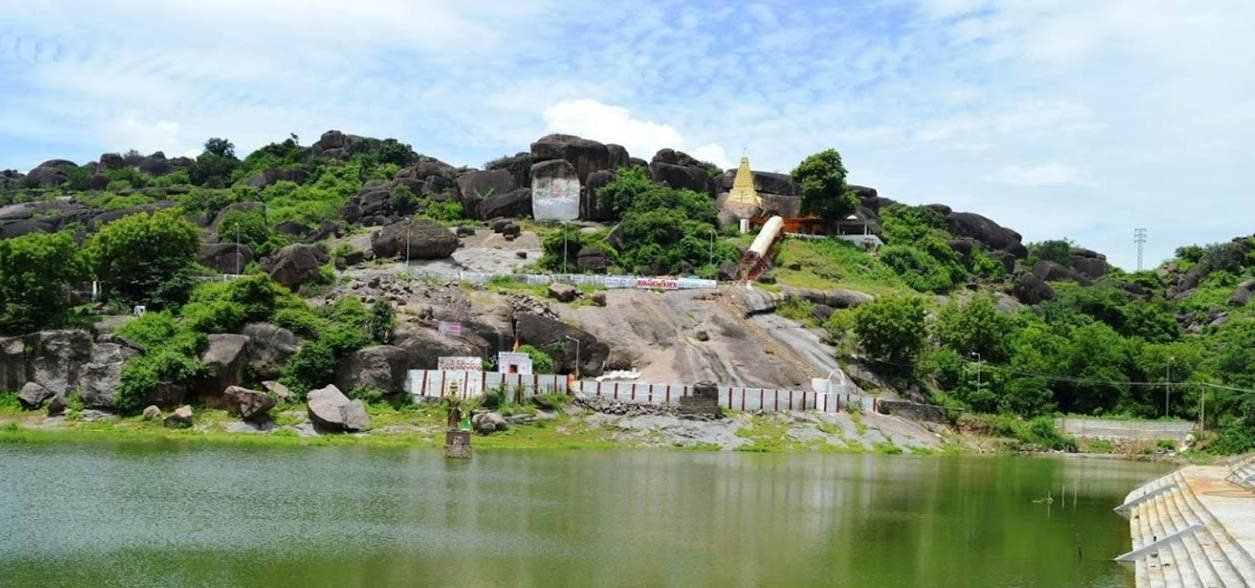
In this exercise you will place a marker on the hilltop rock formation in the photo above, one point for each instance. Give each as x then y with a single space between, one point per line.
427 240
294 265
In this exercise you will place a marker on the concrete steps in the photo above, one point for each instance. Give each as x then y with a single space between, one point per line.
1244 473
1177 543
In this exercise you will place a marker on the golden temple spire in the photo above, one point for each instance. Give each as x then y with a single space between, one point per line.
743 185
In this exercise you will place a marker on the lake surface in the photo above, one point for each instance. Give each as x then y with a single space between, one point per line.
174 515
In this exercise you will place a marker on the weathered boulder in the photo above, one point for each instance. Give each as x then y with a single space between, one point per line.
274 176
98 379
181 418
225 358
555 190
488 422
599 298
1049 271
1090 264
425 346
111 161
987 232
427 240
383 367
586 156
563 292
477 186
152 412
32 395
1030 289
56 358
12 363
1242 295
592 259
592 206
354 416
57 406
512 204
294 265
155 165
278 390
44 178
225 258
251 405
519 165
324 406
269 348
836 298
551 336
774 183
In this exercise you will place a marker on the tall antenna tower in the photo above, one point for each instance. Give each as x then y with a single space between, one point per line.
1139 237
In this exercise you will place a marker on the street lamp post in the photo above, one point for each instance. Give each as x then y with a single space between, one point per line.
1167 386
407 243
564 248
978 361
577 356
237 248
712 250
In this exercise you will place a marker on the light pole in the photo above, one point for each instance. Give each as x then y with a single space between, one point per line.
978 360
564 248
237 248
577 356
407 242
712 250
1167 386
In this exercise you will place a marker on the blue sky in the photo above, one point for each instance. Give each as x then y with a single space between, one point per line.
1059 119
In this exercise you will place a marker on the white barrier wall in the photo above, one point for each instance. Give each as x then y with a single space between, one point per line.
434 384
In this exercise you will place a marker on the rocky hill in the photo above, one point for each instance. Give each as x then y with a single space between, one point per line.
340 219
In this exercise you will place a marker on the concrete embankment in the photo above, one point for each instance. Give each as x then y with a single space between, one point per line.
1194 527
1118 430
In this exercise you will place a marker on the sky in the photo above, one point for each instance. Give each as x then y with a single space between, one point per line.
1066 119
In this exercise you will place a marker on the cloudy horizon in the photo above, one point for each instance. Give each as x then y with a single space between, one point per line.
1076 120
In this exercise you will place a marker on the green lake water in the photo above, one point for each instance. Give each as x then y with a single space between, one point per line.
176 515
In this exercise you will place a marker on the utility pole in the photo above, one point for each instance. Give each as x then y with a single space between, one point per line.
237 248
1202 411
407 242
564 248
1167 386
1139 237
978 360
712 250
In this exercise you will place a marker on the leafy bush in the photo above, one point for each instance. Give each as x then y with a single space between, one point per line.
821 177
542 363
918 269
904 224
36 273
892 329
147 258
250 228
1056 250
171 352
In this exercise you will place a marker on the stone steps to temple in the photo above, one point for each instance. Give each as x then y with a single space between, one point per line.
1181 544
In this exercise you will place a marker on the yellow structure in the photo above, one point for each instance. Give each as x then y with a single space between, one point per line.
743 191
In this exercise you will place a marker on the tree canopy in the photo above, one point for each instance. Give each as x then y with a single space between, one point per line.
821 178
36 273
147 258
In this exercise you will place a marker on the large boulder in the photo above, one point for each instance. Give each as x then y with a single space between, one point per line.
354 416
478 186
1032 290
32 395
551 336
251 405
57 358
555 190
563 292
181 418
425 346
774 183
294 265
1049 271
225 358
427 240
1091 264
98 379
111 161
593 207
592 259
586 156
485 422
1242 295
44 178
324 406
519 165
383 367
269 348
987 232
512 204
225 258
274 176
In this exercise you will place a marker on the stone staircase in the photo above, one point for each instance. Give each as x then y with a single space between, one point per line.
1244 473
1178 543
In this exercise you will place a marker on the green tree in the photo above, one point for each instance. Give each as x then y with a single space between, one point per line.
146 258
216 166
892 329
974 328
36 273
383 319
250 227
621 192
1056 250
824 193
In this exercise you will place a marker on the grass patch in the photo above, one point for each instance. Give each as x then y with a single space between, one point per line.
825 264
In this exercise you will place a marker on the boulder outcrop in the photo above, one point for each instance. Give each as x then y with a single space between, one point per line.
225 258
383 367
427 240
584 155
551 336
251 405
294 265
225 358
269 348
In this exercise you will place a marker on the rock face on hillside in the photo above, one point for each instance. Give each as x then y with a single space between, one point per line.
269 348
273 176
555 190
551 335
481 186
294 265
584 155
225 358
331 409
987 232
225 258
383 367
681 171
427 240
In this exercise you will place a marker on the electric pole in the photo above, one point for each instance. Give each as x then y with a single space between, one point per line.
1139 237
237 248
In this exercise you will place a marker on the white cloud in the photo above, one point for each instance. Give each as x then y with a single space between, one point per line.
615 124
131 131
1050 174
